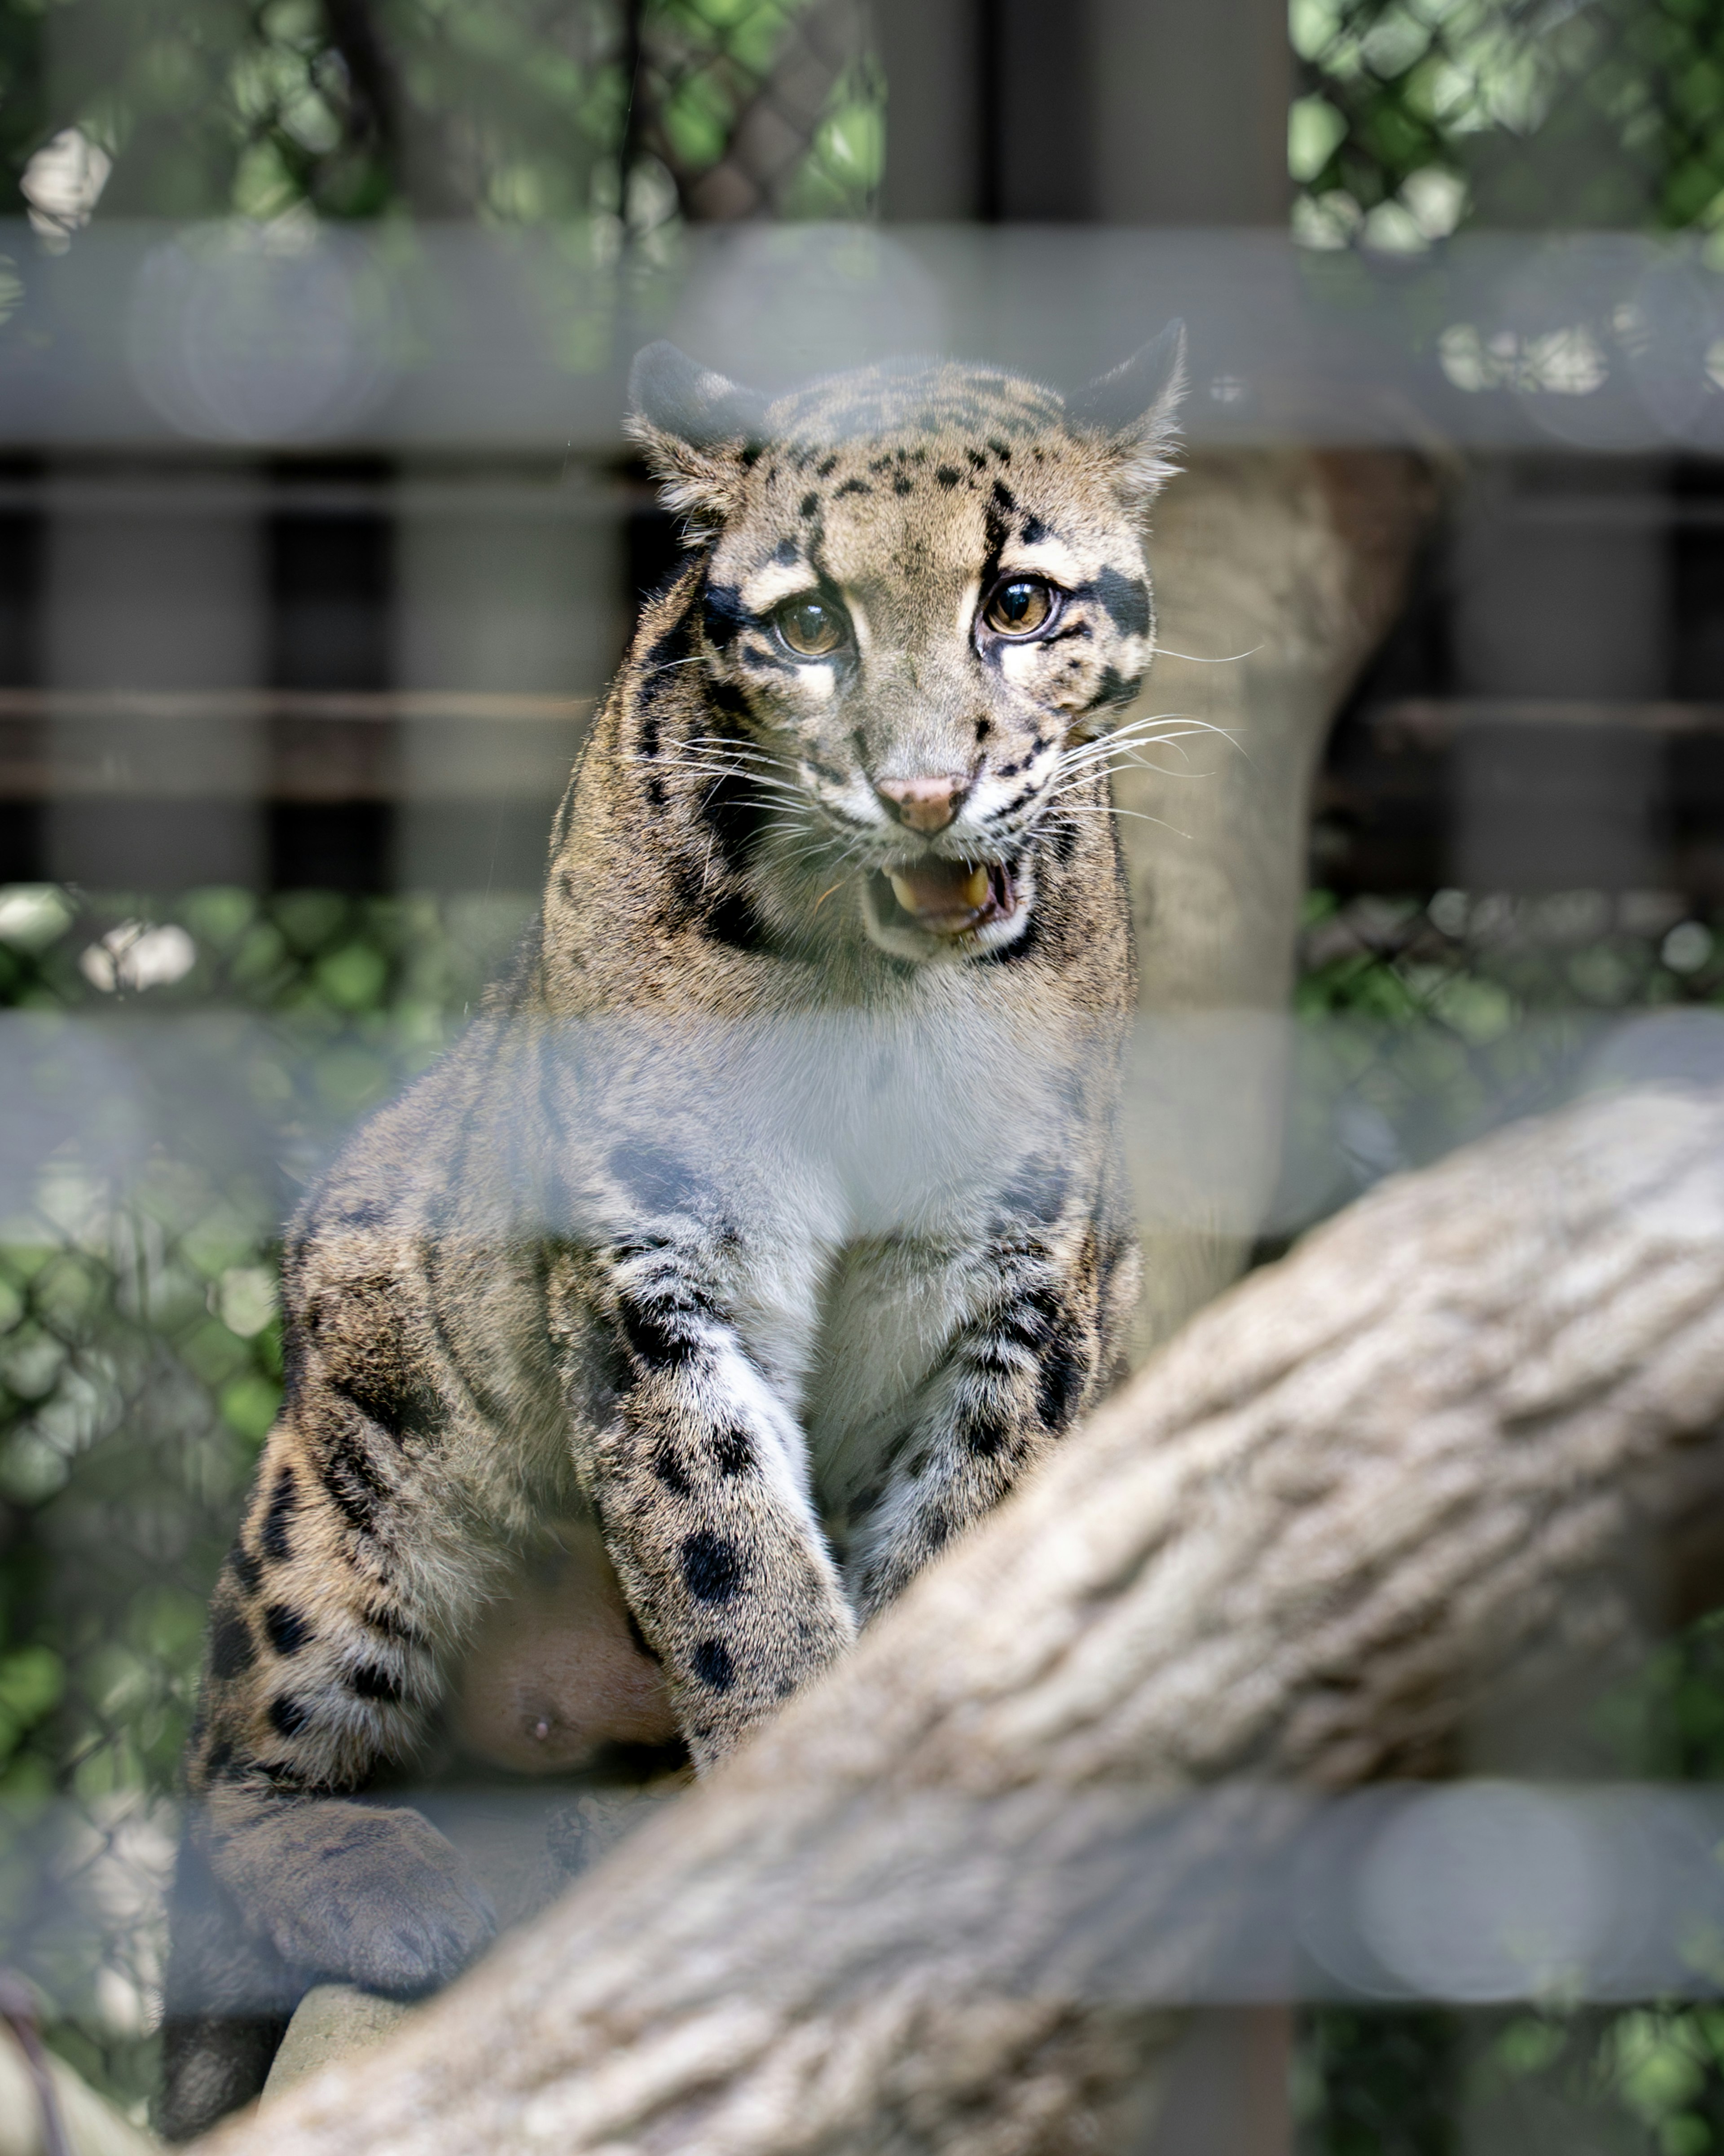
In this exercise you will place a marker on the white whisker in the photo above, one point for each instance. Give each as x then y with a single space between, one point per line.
1232 659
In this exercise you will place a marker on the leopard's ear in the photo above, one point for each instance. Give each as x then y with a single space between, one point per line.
698 431
1132 409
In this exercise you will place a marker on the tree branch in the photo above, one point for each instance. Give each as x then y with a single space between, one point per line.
935 1905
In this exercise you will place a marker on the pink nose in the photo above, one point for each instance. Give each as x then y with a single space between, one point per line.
921 805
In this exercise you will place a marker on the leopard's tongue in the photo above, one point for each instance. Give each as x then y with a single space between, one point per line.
941 895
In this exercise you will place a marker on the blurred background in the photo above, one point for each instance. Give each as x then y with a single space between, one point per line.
319 538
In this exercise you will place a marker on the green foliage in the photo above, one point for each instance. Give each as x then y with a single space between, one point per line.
141 1353
1420 115
1439 1019
514 111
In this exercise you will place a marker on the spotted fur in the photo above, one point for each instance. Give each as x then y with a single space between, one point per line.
770 1222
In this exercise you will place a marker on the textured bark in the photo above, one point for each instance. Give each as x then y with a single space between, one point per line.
933 1906
1277 574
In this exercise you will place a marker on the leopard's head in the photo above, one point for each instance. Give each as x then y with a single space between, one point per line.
924 602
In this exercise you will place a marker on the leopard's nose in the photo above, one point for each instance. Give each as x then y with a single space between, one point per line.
923 804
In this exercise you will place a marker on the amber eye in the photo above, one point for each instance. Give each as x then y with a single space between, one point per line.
1019 607
811 628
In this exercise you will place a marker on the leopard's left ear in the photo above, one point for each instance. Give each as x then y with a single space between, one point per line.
698 430
1133 408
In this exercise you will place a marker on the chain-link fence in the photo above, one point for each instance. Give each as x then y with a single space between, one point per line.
176 1070
1417 116
173 1073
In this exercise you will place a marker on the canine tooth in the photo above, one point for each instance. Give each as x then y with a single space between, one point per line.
974 890
904 891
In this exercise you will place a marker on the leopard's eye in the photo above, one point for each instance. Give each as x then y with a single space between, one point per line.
812 628
1019 607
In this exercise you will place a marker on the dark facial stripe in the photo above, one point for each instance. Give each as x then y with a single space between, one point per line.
1126 600
723 615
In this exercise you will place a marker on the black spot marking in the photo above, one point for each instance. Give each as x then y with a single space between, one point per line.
734 815
711 1664
670 1470
1116 688
751 454
826 467
1126 600
727 698
1034 530
288 1715
988 1439
350 1483
852 486
984 727
978 461
1004 499
732 920
733 1451
947 474
810 503
398 1402
1025 1328
1003 450
244 1567
655 1179
276 1541
903 485
1064 1372
712 1567
651 1331
1064 840
287 1629
371 1680
232 1651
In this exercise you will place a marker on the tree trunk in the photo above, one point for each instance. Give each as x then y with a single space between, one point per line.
944 1901
1277 574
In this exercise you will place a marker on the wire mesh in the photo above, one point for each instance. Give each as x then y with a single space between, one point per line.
140 1367
771 110
1418 115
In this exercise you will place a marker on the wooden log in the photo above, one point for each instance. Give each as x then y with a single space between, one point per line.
944 1901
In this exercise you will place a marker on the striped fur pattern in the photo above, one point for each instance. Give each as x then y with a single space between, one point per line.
770 1218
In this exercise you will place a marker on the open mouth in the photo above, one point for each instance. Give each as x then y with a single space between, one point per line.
945 898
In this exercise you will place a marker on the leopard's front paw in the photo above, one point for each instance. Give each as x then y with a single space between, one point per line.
374 1897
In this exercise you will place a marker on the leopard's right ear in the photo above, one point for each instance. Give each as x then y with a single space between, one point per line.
699 431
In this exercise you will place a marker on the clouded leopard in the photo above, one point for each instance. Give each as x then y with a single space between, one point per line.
770 1218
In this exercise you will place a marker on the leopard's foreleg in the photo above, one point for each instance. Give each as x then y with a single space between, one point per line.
700 1480
321 1667
1030 1352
